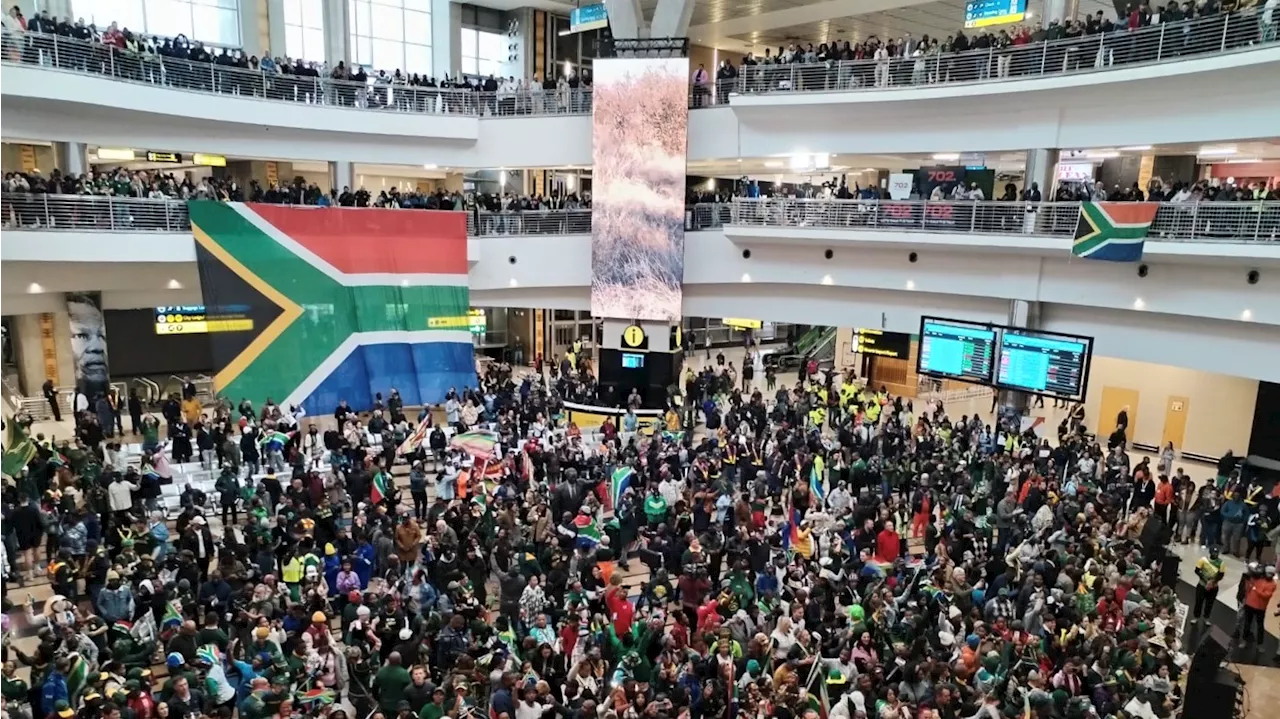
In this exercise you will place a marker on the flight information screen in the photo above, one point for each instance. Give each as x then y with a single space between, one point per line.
1049 364
957 350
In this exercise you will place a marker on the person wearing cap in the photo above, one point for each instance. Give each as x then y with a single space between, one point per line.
1209 571
1258 591
62 710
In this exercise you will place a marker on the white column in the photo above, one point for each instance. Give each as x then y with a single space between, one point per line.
71 157
275 28
337 32
342 174
444 39
626 19
1040 170
671 18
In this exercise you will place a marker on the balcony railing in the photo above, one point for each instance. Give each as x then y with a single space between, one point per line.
101 213
1166 42
1235 222
72 55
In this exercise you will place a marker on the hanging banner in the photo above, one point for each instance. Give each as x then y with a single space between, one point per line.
49 347
900 186
88 343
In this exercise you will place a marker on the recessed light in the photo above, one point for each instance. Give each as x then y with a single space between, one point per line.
947 156
1225 150
746 277
175 285
1139 304
429 167
35 287
513 282
1135 148
827 280
911 284
775 163
1247 315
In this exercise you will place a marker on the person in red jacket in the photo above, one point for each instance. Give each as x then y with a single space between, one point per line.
620 608
888 543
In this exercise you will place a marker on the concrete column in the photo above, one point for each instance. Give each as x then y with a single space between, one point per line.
337 32
1041 165
71 157
342 174
250 32
671 19
1024 314
446 38
275 28
626 18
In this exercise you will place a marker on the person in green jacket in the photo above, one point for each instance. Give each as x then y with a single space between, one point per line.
434 709
389 684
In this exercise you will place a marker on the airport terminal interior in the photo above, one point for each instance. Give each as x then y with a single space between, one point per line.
640 359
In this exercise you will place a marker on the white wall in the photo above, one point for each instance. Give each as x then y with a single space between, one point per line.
1219 407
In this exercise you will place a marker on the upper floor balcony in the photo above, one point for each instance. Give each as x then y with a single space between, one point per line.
1092 91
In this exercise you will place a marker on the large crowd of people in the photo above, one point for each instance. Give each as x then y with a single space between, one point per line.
182 62
816 548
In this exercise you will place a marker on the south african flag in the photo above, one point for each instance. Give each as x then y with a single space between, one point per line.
311 306
1113 231
380 489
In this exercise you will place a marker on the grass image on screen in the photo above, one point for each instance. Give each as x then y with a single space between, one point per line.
640 125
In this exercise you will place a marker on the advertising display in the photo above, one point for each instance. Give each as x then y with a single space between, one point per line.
900 185
640 120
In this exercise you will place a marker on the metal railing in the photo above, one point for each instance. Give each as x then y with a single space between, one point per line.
97 213
1236 222
1088 53
72 55
707 215
529 222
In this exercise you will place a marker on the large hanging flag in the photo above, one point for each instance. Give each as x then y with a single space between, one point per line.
1113 231
312 306
618 484
380 489
18 449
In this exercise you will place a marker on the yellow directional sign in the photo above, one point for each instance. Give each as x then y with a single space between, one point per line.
633 336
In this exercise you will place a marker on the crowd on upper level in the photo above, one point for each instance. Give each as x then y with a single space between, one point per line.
156 59
1098 41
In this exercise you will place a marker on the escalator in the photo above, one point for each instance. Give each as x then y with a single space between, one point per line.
815 343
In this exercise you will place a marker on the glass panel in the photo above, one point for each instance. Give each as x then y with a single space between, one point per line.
293 42
469 66
417 27
421 5
417 58
363 22
388 23
470 42
313 44
128 13
168 17
493 46
390 3
313 14
292 13
388 55
215 25
364 51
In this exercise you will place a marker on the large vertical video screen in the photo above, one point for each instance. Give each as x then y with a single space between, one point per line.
640 121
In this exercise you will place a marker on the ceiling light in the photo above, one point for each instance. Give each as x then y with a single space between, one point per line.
746 277
826 280
947 156
175 285
513 282
429 167
739 159
1242 160
911 284
1104 155
1247 315
1138 304
1135 148
775 163
1231 150
34 287
117 154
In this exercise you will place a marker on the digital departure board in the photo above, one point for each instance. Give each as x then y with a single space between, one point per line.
1044 363
880 343
956 350
195 320
982 13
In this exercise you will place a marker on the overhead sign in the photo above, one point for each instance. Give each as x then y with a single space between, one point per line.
195 320
983 13
588 17
477 321
957 350
170 157
900 185
896 345
633 336
209 160
742 324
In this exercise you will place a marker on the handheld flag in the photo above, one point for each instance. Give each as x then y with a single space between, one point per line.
1113 231
18 450
479 443
172 617
817 487
415 440
618 484
588 531
273 440
380 489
